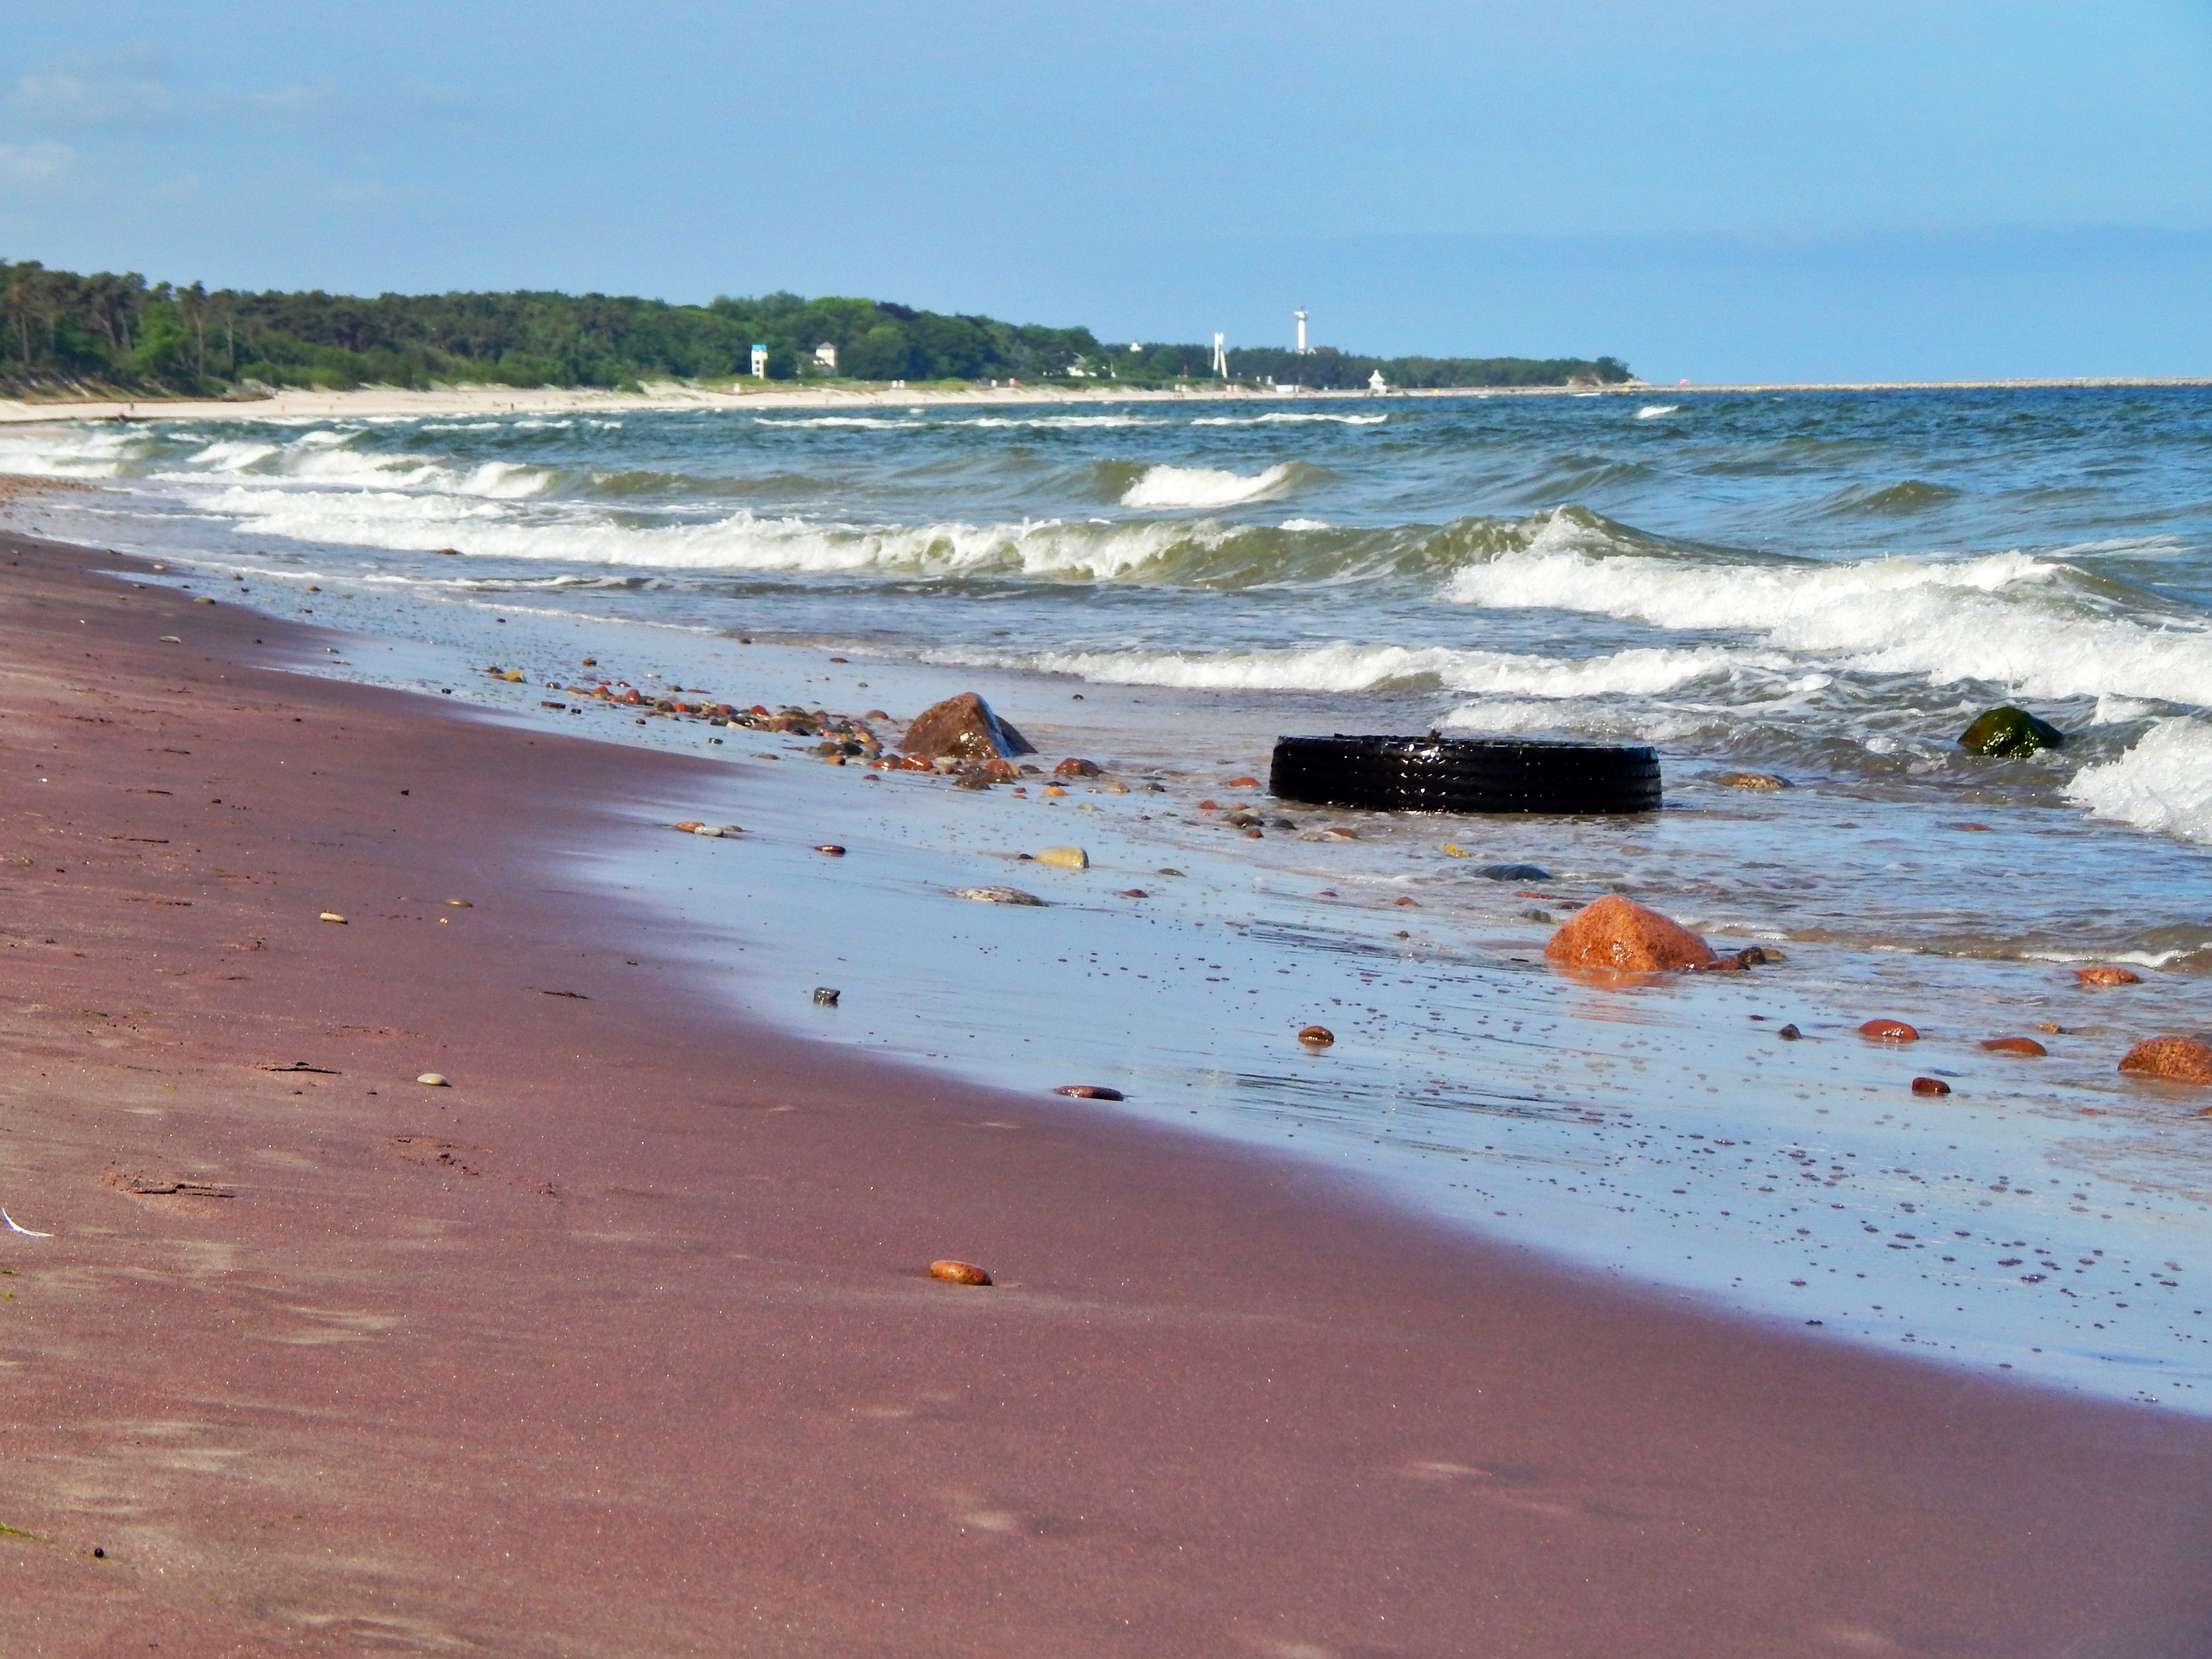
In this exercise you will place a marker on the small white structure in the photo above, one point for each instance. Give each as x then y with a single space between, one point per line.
825 357
1221 355
1301 316
1377 384
760 362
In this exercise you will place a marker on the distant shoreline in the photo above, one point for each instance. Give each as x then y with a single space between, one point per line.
397 402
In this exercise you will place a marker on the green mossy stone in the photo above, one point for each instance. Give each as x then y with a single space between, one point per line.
2009 731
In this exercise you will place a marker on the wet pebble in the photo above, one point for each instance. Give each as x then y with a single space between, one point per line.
1089 1092
825 996
331 915
2015 1045
1930 1086
958 1272
1065 858
1888 1030
1317 1036
831 849
434 1080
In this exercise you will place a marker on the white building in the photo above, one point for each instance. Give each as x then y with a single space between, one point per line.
760 362
1376 383
825 357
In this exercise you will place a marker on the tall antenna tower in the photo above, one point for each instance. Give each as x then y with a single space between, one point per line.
1221 355
1301 316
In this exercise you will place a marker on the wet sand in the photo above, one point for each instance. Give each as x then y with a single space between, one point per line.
624 1343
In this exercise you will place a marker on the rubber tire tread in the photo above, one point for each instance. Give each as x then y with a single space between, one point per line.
1467 774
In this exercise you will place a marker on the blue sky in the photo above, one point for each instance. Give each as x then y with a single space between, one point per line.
1712 191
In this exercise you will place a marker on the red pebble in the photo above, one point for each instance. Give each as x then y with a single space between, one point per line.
1888 1030
1089 1092
2027 1046
1930 1086
1242 783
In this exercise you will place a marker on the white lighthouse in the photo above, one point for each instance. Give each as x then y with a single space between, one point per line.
1301 317
1221 355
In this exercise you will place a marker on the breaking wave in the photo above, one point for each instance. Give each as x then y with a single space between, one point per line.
2009 619
1167 486
2164 783
1351 667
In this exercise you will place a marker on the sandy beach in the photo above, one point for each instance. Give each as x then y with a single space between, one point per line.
462 402
624 1343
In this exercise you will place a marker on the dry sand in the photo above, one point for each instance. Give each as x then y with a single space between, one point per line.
624 1344
466 402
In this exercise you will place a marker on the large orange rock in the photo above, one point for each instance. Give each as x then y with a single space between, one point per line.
1621 934
963 728
2177 1059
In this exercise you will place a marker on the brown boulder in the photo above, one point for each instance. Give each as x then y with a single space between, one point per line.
2177 1059
963 728
1621 934
2106 974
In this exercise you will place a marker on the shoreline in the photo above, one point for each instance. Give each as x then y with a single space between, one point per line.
391 401
391 1386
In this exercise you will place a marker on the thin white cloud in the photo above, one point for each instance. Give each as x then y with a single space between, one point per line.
292 100
25 167
84 93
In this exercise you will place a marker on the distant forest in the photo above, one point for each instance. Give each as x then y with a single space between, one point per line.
60 332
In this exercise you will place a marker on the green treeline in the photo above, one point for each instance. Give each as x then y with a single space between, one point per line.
60 331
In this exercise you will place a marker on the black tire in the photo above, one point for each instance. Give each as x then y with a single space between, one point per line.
1466 774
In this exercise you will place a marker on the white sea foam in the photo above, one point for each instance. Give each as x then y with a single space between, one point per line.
2163 784
867 422
1205 487
1286 417
1071 421
1653 411
2003 618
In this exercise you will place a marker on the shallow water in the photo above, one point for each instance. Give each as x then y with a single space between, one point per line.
1827 588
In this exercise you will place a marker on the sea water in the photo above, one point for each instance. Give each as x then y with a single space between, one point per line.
1825 587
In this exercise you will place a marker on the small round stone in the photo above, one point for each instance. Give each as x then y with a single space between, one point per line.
958 1272
1888 1030
1089 1092
2014 1045
434 1080
1317 1036
1930 1086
